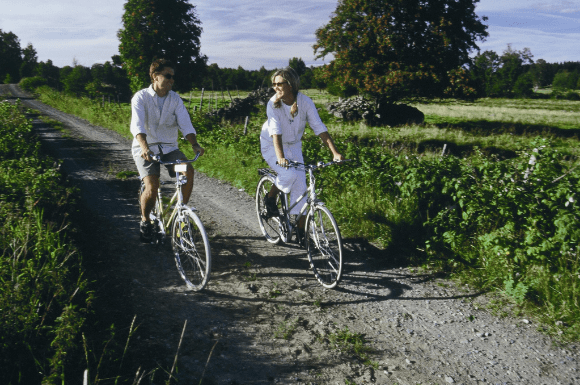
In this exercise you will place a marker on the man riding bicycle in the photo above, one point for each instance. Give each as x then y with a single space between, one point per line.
157 114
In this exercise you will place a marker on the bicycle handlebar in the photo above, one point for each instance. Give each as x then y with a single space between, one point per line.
314 166
157 158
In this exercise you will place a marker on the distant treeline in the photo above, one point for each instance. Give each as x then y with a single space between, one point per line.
511 74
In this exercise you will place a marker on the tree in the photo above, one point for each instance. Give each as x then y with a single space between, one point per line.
484 71
497 75
541 73
298 65
29 61
512 64
524 85
50 72
565 80
398 48
76 80
10 56
166 29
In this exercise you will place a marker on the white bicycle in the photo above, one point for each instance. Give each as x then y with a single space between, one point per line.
189 239
322 238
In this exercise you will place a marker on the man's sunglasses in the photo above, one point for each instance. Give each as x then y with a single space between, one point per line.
168 76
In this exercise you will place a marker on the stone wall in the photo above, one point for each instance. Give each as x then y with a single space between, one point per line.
375 114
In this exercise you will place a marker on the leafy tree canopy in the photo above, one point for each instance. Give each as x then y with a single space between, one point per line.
397 48
166 29
298 65
497 75
10 56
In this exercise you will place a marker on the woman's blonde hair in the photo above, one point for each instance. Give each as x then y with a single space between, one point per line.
293 80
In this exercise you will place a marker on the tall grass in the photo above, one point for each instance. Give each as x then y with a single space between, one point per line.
44 294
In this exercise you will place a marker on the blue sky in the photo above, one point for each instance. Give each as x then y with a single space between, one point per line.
258 32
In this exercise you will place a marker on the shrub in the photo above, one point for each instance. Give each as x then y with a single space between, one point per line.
572 95
30 84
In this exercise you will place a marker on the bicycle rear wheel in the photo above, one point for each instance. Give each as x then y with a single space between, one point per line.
324 246
191 249
271 226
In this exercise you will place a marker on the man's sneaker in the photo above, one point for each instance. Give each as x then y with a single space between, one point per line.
301 237
271 208
146 231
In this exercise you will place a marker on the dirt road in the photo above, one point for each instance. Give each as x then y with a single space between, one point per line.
263 313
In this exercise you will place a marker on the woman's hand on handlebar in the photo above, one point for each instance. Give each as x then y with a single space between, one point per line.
338 157
283 162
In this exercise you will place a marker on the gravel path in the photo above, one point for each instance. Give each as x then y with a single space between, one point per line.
420 329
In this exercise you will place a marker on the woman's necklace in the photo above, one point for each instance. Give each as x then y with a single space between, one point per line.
286 109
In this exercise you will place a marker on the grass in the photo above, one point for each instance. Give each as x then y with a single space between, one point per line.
287 328
353 344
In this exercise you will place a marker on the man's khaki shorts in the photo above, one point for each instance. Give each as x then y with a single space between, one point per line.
146 168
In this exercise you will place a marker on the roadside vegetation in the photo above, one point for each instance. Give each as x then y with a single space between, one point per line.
44 294
49 332
485 191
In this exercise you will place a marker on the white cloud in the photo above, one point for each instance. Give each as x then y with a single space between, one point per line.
557 6
260 32
552 47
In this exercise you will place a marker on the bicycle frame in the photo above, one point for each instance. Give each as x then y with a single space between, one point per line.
310 192
312 199
177 197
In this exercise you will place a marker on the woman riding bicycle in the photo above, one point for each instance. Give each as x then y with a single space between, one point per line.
281 138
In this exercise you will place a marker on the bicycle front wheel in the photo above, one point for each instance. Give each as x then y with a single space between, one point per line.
191 249
270 226
324 246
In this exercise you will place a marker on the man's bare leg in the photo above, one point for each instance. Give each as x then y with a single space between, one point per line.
188 187
149 196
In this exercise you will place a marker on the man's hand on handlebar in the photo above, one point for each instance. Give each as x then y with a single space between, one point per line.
147 155
197 148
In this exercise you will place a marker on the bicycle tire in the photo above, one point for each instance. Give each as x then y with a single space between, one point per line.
271 226
324 246
191 249
155 217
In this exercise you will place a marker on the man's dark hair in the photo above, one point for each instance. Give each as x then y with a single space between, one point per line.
158 66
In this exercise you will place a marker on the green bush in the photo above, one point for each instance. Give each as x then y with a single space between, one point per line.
30 84
571 95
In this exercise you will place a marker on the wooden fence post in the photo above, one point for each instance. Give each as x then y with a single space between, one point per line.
201 101
246 126
229 94
189 107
